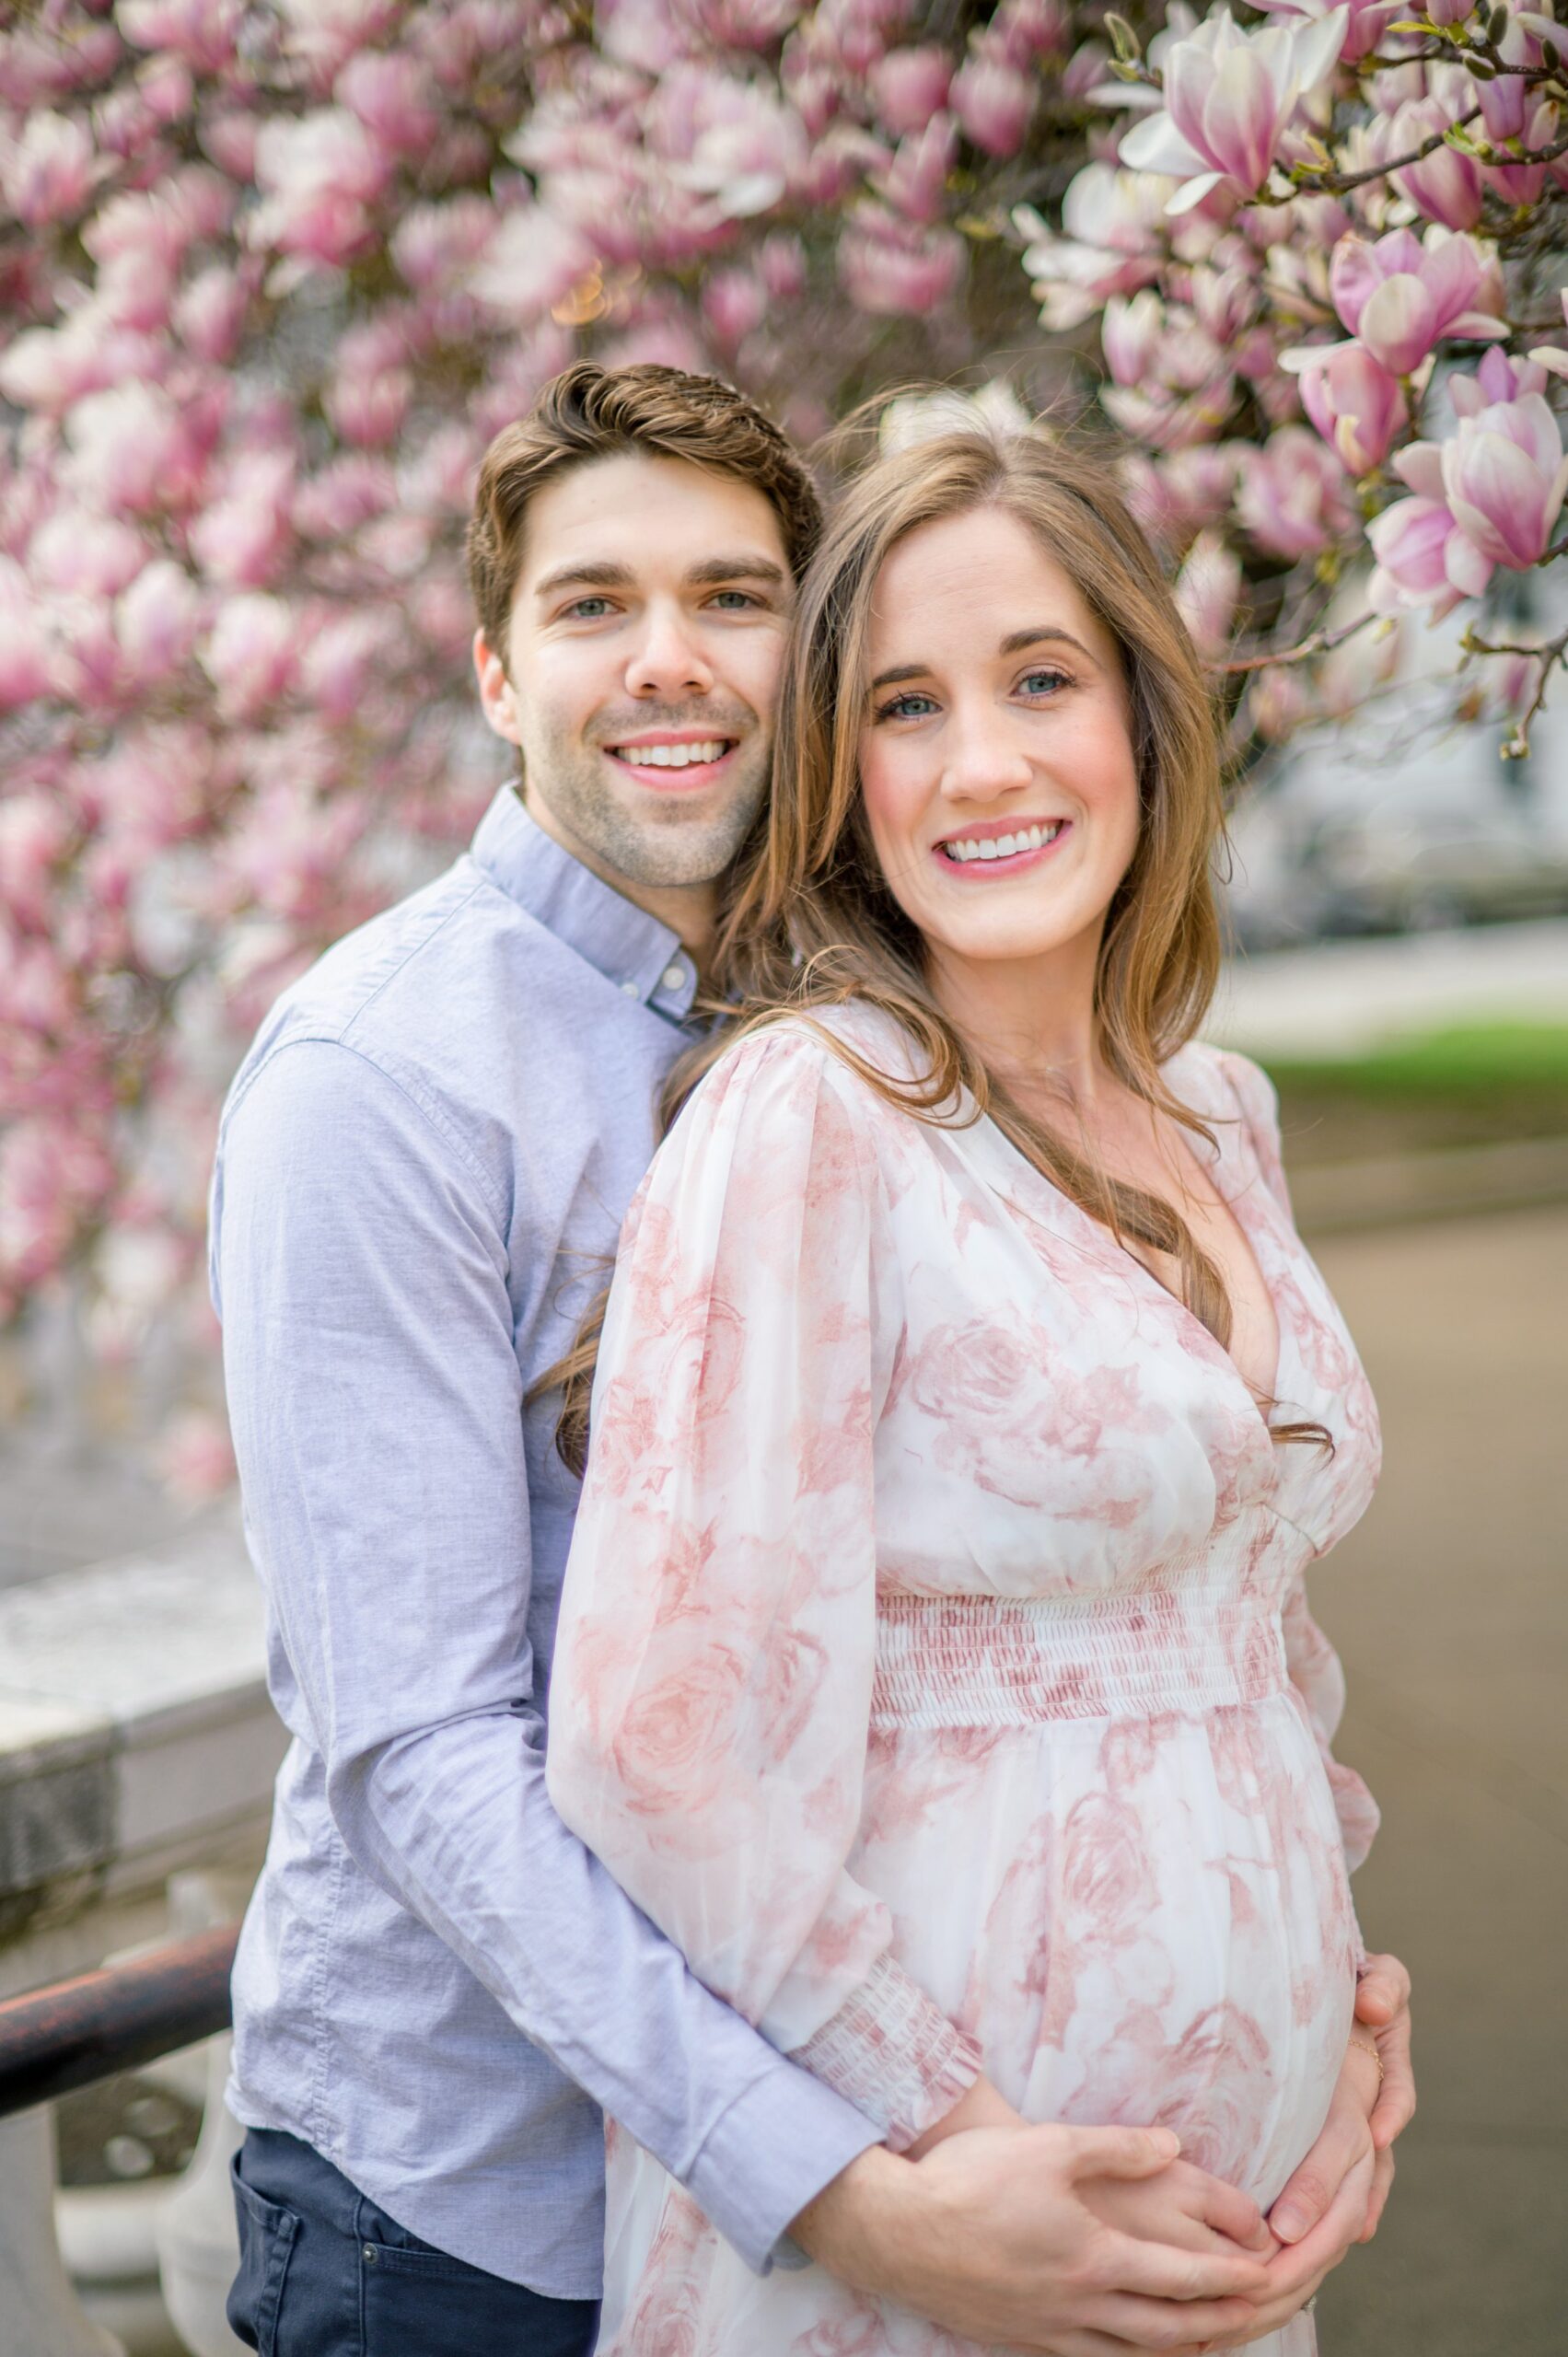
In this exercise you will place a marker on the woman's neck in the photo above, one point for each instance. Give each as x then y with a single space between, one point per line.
1031 1019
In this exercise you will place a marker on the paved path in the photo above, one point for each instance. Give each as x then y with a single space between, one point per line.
1336 997
1450 1607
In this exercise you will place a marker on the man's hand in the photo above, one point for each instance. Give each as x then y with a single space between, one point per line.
1011 2234
1360 2109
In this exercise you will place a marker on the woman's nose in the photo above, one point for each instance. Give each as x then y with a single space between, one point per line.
984 759
668 660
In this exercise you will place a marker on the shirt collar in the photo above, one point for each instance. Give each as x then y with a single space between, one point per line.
640 957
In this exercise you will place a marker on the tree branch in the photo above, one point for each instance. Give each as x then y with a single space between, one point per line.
1322 642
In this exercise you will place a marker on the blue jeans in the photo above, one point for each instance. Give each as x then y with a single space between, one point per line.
324 2272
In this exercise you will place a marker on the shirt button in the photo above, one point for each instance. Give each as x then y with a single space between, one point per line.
630 990
369 2253
674 976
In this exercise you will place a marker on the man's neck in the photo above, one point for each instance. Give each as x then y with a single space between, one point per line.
688 909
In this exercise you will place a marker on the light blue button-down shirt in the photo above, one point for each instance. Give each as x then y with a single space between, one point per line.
421 1170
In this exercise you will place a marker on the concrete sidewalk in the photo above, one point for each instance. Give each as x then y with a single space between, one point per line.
1450 1607
1337 997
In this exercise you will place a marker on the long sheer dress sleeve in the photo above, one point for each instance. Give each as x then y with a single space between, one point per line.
712 1686
1310 1659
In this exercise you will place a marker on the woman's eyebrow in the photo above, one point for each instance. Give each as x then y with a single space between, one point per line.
1014 644
1016 640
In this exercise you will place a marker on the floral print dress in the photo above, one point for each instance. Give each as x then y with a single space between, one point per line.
935 1664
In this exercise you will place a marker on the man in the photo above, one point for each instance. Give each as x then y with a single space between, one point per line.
422 1167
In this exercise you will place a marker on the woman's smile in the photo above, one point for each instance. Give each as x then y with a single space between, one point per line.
982 853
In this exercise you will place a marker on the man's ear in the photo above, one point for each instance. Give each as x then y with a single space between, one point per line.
495 692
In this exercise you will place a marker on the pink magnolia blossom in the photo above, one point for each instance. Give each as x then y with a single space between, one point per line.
1294 497
1400 295
50 173
1129 332
24 644
250 655
157 619
1228 97
781 263
1410 541
210 313
891 267
54 1171
1444 186
434 245
1356 406
908 86
242 538
36 835
734 304
319 175
994 102
1207 590
133 451
85 555
1112 221
531 263
391 96
1370 21
1503 475
916 181
201 32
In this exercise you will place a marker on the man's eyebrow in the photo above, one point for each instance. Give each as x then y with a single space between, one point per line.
747 567
1014 644
585 576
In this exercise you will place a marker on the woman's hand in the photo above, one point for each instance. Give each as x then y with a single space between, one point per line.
979 2106
1335 2196
1382 2013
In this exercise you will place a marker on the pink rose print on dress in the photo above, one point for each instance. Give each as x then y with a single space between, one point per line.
934 1661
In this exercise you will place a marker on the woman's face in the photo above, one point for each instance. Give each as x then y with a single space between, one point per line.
998 771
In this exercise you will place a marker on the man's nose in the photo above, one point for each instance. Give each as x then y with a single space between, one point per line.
668 660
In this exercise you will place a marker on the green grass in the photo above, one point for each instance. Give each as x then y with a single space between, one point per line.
1464 1060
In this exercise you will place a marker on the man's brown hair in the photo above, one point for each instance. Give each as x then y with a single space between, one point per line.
591 412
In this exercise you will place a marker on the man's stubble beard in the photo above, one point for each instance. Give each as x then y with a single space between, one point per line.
671 845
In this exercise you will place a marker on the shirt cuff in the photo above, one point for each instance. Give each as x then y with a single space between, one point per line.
894 2054
771 2151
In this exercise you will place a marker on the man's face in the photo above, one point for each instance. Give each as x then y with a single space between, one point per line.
642 662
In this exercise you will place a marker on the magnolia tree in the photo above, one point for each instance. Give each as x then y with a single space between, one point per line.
271 276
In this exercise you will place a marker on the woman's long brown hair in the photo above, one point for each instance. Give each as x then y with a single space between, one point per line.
809 923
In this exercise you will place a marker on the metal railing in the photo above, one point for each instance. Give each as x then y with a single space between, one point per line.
115 2019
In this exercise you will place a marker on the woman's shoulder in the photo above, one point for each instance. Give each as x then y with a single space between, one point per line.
848 1049
1220 1083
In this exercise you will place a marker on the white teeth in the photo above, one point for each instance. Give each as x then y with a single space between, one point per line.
671 757
968 847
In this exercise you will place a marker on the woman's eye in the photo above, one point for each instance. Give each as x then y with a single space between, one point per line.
1043 683
912 706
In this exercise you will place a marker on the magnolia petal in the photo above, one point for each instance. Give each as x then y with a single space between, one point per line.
1400 323
1480 327
1467 570
1192 192
1421 465
1156 145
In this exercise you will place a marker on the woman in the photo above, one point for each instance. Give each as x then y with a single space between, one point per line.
935 1664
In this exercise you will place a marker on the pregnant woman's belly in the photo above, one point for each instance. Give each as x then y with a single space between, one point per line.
1141 1919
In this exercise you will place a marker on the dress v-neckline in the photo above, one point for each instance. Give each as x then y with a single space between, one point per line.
1195 1335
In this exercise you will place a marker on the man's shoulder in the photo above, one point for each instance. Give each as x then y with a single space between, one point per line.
419 989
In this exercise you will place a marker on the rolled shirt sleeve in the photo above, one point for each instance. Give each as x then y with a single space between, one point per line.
375 1395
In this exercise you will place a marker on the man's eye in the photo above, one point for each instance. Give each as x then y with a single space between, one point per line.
736 600
588 609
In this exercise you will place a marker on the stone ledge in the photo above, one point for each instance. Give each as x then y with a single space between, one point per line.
136 1736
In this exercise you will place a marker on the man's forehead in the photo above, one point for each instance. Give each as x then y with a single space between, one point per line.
640 516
